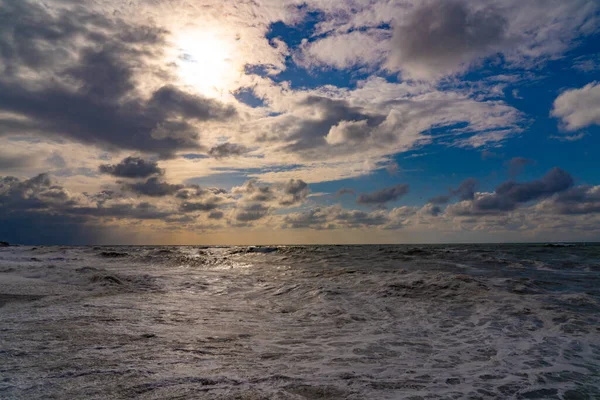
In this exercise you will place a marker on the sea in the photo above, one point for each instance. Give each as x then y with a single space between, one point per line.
519 321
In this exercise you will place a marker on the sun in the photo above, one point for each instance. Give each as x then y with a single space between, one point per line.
205 62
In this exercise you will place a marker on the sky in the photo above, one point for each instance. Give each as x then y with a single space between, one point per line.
282 121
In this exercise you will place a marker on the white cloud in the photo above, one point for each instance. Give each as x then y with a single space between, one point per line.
579 108
344 51
433 38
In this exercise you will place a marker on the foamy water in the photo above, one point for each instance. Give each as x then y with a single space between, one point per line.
300 322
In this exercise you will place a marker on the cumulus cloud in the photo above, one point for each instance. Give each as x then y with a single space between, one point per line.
256 200
132 167
579 108
227 150
433 39
88 92
510 195
205 205
380 197
356 48
582 200
348 131
444 37
153 187
334 217
40 210
465 191
249 212
294 192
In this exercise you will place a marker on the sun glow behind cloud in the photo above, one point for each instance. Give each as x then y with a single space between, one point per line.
205 62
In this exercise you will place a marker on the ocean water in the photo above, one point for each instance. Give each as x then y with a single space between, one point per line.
300 322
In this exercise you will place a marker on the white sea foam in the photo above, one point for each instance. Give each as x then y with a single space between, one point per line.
293 322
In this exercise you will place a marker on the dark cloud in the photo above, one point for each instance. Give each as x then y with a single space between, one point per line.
383 196
432 210
334 217
227 150
555 181
251 212
517 164
357 218
153 187
38 192
195 191
143 210
216 214
252 191
103 196
38 210
466 190
294 192
306 134
509 195
15 161
98 101
289 193
132 167
315 219
440 37
205 205
578 200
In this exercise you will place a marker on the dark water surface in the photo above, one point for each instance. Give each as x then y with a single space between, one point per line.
301 322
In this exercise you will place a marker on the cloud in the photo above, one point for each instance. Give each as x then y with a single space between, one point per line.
132 167
347 122
578 108
569 138
380 197
87 90
294 192
378 119
153 187
517 164
215 214
433 39
39 210
587 64
256 201
348 131
342 51
510 195
10 160
206 205
580 200
195 191
444 37
465 191
291 192
251 212
334 217
227 150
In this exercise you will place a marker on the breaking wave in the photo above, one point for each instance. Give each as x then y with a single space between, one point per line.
301 322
